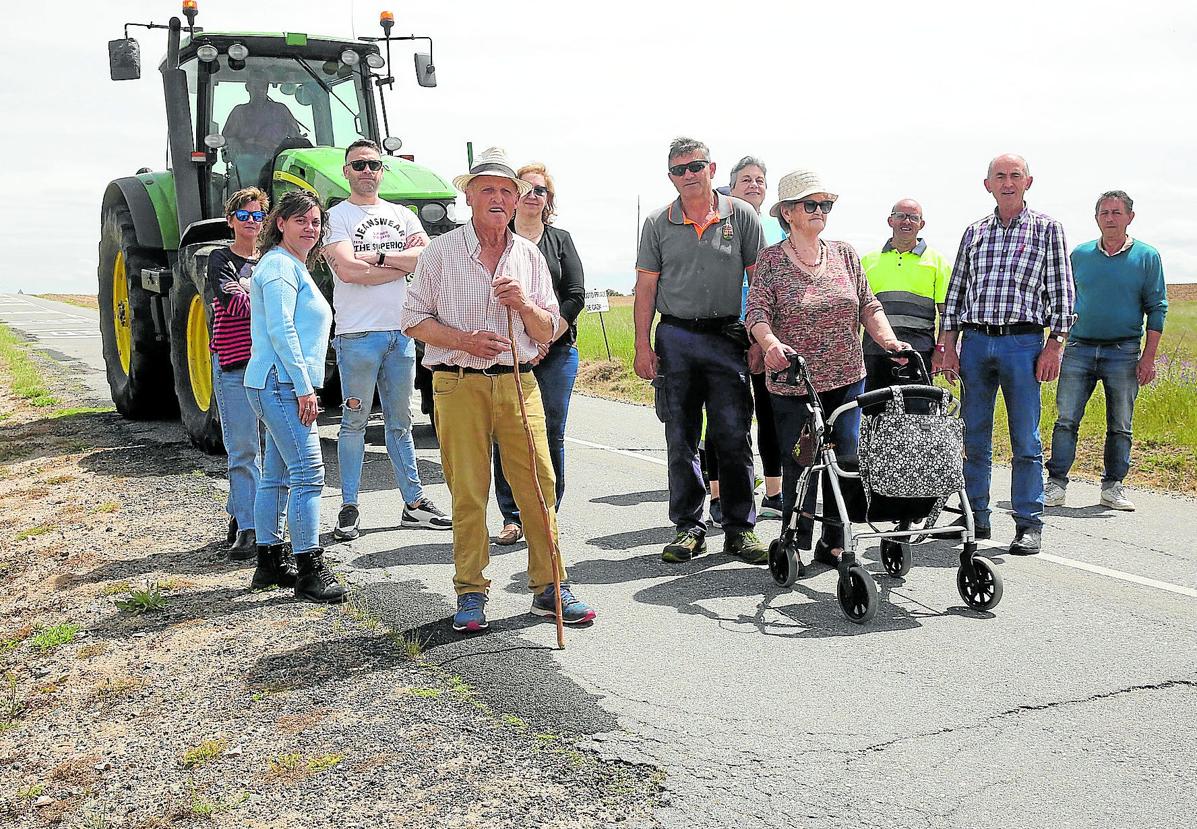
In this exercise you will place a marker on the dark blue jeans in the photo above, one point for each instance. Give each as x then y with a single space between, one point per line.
706 369
987 364
1116 366
555 375
791 415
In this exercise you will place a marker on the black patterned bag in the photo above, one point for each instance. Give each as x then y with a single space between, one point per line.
907 455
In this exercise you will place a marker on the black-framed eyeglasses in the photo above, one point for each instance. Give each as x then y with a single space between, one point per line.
810 205
245 215
679 170
901 217
362 163
539 190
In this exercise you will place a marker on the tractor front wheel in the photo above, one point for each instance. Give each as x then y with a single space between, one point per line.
137 360
190 333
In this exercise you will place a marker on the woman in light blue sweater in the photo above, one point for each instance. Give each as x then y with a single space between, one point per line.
290 322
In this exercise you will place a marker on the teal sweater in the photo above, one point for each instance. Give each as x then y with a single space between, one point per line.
1114 293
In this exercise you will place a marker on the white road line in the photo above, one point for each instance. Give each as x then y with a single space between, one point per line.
1065 562
1121 576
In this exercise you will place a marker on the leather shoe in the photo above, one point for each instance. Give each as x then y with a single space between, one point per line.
983 532
823 554
510 534
245 545
1026 542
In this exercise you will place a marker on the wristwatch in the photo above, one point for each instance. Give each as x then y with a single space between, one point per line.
382 258
1060 338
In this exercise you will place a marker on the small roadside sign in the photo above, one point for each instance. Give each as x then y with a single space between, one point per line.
596 301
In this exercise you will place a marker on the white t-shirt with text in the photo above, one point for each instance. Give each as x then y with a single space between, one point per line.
370 227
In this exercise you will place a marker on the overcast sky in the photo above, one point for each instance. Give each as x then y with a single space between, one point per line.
884 99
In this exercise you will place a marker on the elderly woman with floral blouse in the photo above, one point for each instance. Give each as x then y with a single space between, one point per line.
810 297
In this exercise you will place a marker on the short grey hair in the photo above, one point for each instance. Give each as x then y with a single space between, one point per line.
685 146
1115 194
1026 168
747 161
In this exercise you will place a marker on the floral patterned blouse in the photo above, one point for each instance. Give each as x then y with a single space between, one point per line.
815 311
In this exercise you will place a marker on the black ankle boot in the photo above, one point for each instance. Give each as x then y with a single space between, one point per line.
274 568
244 545
315 582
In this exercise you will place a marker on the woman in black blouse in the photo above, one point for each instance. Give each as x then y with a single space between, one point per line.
558 362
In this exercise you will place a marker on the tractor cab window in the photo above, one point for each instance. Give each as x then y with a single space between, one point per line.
274 104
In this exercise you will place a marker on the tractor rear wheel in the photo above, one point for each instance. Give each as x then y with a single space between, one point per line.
190 333
137 361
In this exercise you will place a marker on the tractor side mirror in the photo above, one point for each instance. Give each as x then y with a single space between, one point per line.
124 59
425 71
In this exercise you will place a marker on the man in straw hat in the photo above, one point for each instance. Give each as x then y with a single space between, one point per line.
693 256
465 282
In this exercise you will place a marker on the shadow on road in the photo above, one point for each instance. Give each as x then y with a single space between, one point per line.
631 499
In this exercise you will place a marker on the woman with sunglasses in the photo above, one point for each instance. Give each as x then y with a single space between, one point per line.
810 297
557 365
229 270
290 322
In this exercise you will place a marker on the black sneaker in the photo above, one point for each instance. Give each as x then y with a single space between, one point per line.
983 532
275 568
347 521
716 513
426 515
315 582
770 507
687 545
746 546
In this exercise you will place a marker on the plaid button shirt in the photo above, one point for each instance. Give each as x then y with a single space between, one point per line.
453 287
1019 273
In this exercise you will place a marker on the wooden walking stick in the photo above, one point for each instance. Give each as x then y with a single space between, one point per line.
554 553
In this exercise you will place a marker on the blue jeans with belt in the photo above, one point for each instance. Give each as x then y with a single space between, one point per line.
242 440
988 363
1084 364
293 471
555 375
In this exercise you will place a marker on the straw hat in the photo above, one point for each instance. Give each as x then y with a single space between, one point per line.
796 186
492 162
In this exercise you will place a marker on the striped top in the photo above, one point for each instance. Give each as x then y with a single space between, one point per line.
230 307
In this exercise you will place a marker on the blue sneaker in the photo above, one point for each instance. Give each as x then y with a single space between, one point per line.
574 611
471 613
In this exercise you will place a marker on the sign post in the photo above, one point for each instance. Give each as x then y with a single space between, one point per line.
596 303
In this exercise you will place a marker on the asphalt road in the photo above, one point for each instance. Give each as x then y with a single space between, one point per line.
1072 704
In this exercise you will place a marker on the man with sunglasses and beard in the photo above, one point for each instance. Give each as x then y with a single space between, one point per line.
372 247
693 255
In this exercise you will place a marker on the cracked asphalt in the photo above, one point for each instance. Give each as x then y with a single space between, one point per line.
1072 704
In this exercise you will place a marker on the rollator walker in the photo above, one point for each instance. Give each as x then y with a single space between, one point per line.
912 412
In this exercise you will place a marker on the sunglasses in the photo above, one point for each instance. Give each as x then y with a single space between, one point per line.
362 163
246 215
810 205
538 190
901 217
679 170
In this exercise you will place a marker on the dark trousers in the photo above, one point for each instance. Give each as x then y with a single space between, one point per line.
881 371
791 414
706 369
766 434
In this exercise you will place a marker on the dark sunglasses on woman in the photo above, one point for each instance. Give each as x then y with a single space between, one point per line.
362 163
539 190
246 215
810 205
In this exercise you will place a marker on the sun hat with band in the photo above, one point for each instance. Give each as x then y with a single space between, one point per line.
492 162
796 186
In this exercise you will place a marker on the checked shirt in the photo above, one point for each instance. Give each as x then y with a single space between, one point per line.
1019 273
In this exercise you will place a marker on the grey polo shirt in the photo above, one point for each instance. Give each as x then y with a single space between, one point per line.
700 269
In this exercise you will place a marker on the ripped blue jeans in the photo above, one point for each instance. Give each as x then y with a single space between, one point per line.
385 359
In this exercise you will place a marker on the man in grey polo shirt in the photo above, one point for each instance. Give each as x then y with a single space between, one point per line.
693 255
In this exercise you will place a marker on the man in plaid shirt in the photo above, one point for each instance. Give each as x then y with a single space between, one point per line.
1012 279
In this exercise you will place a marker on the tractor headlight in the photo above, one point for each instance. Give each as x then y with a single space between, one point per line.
238 51
207 53
375 61
432 213
350 58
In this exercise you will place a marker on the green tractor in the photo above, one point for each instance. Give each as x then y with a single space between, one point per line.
158 228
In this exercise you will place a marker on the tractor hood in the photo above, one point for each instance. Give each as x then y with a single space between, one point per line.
318 170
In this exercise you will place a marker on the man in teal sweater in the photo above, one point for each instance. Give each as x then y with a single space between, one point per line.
1119 282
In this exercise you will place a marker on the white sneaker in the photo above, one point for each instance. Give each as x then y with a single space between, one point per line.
1053 494
1113 497
426 515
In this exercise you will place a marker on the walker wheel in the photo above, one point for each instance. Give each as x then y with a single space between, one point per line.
857 594
784 563
895 555
980 584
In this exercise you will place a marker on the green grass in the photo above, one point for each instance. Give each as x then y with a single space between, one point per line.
204 753
47 639
27 381
148 599
1165 454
